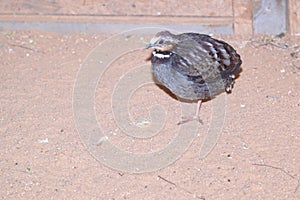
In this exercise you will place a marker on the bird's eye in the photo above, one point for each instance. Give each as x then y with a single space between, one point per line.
160 42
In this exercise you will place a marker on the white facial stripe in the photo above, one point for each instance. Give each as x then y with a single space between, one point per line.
160 55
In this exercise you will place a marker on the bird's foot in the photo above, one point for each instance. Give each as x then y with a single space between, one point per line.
190 118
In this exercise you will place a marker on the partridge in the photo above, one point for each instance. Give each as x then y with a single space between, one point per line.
194 66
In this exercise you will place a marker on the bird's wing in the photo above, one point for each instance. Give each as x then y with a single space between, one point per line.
201 56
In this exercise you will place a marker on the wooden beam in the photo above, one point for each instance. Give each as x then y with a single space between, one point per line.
294 16
242 11
120 19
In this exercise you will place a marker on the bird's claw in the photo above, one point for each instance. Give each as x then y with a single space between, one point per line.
190 118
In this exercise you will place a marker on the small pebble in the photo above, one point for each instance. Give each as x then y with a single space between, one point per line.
44 140
101 140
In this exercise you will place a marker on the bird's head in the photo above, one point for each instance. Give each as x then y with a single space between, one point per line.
163 41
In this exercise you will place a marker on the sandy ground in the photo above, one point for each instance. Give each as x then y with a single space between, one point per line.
257 155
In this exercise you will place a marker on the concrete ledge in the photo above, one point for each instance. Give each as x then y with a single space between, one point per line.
115 24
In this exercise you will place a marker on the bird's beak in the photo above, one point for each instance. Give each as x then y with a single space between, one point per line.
152 43
149 45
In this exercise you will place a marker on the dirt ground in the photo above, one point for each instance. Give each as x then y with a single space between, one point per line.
257 155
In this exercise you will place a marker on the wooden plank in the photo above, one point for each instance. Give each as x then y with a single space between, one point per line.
294 17
242 10
207 16
209 8
121 19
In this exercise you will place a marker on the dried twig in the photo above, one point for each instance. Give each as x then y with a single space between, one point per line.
162 178
278 45
295 65
265 41
23 47
281 169
187 191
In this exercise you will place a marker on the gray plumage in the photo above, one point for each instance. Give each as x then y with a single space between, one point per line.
193 66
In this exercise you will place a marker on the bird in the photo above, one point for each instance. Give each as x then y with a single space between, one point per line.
193 66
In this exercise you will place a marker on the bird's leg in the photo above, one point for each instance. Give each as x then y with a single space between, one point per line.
199 103
195 117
